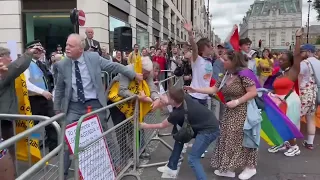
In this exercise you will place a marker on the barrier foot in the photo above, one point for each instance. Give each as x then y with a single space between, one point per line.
164 134
131 174
157 138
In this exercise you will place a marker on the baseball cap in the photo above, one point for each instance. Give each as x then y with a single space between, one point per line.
220 46
308 47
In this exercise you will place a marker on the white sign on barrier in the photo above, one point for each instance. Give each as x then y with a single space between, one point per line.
96 163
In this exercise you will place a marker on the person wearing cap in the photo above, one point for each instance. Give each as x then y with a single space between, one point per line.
126 90
59 49
10 70
309 90
38 85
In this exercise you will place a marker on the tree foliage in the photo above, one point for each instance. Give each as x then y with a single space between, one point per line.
318 41
316 6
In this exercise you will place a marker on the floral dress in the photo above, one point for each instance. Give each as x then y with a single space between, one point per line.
308 93
229 153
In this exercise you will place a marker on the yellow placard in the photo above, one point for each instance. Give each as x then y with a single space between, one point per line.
22 125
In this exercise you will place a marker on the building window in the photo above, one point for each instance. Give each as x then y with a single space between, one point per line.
114 23
293 24
142 5
264 25
154 3
142 37
283 43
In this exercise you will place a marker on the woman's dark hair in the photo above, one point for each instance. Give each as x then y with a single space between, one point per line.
239 59
270 55
202 43
289 56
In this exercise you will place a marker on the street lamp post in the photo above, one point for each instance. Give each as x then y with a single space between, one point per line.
309 2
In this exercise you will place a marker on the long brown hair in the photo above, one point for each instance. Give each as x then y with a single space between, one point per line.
238 59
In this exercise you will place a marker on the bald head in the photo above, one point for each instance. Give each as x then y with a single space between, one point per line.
89 33
74 46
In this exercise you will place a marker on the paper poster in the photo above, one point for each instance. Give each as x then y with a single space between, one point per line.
95 161
13 47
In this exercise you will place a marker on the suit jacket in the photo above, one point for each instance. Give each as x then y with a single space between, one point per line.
96 44
8 98
95 64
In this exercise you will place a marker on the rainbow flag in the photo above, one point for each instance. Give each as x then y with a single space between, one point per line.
276 127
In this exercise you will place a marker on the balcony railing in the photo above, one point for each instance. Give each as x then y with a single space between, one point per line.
172 28
142 6
155 15
165 22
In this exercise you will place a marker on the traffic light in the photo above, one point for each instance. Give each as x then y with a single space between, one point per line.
260 43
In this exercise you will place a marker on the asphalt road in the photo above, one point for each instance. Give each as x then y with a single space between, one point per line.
306 166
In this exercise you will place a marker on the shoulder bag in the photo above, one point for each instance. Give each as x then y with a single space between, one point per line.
185 133
318 84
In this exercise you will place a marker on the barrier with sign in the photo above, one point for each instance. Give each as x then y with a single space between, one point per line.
107 155
47 167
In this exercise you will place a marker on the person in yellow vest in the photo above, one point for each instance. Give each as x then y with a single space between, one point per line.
264 66
134 54
122 87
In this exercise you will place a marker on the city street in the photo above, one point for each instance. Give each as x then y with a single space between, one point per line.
270 166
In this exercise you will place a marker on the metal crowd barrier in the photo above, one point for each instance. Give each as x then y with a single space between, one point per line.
158 116
42 169
120 141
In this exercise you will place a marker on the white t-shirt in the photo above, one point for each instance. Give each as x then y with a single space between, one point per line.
305 72
201 76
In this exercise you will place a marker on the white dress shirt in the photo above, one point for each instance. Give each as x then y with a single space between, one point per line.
88 87
33 90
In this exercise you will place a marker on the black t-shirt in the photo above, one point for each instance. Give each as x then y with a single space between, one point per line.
201 119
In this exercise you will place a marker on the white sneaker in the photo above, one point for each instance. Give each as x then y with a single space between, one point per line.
203 155
293 151
229 174
247 173
185 147
169 172
282 147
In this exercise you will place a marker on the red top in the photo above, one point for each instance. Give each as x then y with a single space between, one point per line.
161 61
295 84
283 85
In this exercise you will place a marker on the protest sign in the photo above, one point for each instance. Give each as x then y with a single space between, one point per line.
95 160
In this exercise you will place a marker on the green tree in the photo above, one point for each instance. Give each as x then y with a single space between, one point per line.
318 41
316 6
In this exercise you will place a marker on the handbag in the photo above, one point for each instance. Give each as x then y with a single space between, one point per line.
185 133
318 85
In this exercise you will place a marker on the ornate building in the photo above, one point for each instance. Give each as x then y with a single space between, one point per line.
272 21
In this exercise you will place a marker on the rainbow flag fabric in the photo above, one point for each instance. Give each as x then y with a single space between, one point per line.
276 127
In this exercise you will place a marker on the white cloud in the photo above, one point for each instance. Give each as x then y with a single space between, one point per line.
226 13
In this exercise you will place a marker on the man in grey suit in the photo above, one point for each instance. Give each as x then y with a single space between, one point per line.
79 83
8 98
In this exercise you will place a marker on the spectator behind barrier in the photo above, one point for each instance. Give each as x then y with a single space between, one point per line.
122 87
9 103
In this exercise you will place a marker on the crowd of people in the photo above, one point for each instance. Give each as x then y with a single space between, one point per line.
71 82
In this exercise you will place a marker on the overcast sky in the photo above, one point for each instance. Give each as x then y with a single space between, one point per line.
226 13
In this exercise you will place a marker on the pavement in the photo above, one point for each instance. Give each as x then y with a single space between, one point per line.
270 166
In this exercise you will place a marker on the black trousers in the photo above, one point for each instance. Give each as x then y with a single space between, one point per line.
43 107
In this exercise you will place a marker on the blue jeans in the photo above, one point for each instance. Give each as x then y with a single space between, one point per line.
200 145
